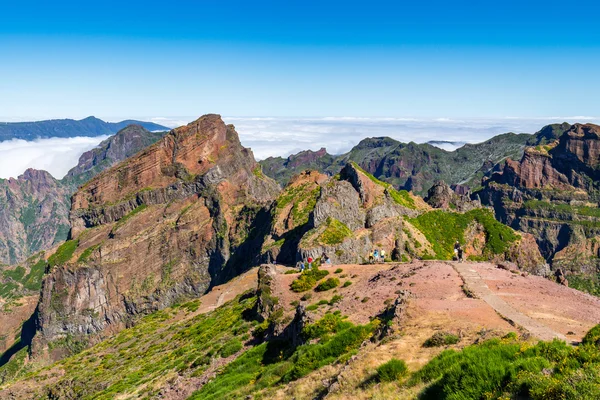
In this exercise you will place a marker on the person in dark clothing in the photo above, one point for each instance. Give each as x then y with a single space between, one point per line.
458 251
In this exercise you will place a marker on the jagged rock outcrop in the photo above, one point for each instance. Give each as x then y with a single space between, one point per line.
553 193
184 214
441 195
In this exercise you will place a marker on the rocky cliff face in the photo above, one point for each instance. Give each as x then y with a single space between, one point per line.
33 215
182 215
553 193
35 207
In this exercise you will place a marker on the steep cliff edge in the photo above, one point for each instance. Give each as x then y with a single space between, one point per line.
553 193
166 224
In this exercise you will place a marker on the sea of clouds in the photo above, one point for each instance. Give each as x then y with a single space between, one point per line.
55 155
278 136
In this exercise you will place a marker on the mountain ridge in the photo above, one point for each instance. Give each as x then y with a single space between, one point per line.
66 128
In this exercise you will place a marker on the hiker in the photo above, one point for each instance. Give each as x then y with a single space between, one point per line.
300 265
325 259
376 255
310 261
371 257
382 255
458 251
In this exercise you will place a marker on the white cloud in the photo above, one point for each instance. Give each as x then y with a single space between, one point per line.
55 155
278 136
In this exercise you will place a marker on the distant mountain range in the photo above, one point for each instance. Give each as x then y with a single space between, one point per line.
415 166
66 128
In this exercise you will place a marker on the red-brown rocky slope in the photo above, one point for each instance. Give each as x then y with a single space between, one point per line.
166 224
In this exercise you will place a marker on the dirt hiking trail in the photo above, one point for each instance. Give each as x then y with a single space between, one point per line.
476 284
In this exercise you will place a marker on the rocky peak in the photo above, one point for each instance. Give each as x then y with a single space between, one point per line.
204 152
306 157
441 195
186 213
34 180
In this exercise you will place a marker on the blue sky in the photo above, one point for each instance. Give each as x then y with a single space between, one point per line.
327 58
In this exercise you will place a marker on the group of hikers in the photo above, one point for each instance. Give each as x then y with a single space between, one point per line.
376 256
302 264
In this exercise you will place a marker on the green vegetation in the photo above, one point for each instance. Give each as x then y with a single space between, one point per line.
303 199
262 368
328 284
502 369
257 172
308 279
15 274
347 283
16 367
392 370
335 232
441 339
135 362
85 255
338 271
230 348
592 337
16 281
562 208
64 253
443 228
585 283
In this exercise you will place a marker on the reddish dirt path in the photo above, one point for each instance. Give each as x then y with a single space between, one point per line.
481 290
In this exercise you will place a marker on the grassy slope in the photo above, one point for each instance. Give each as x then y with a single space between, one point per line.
177 342
443 228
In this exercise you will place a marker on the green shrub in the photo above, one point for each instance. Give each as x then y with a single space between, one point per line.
441 339
338 271
365 299
308 279
508 369
335 299
392 370
330 323
347 283
306 296
328 285
335 232
230 348
592 337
